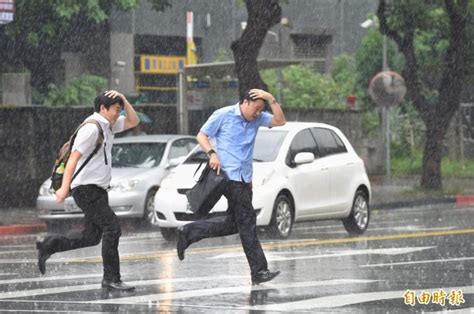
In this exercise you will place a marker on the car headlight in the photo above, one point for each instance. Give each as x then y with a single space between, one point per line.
45 189
124 186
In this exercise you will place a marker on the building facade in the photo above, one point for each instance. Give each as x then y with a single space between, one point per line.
145 46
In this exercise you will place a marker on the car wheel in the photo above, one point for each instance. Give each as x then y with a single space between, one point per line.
358 220
282 218
169 234
150 216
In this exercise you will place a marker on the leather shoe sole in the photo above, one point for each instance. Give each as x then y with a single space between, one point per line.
119 285
264 278
43 256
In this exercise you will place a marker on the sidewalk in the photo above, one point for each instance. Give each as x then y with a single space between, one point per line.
386 194
20 221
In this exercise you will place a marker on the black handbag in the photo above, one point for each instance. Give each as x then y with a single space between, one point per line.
207 191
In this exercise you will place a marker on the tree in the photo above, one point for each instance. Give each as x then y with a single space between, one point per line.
262 15
43 29
434 73
306 88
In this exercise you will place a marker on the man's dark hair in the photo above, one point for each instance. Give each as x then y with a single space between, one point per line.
248 97
101 99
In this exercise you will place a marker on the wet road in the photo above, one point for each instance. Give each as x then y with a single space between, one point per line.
418 259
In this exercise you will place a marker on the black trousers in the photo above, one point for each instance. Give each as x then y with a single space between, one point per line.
240 218
100 222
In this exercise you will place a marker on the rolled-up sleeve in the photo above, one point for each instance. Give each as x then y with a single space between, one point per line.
266 119
119 126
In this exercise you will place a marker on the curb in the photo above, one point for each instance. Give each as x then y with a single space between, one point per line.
418 202
458 201
22 229
464 200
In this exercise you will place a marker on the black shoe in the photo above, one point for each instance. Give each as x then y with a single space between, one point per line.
264 276
117 285
182 243
43 255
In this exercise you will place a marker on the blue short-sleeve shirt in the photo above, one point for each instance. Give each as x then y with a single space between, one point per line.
235 138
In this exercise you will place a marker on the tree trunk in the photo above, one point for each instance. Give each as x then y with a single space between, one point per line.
262 15
431 166
436 117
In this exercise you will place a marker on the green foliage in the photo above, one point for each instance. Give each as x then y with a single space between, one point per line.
370 122
305 88
81 91
44 21
406 129
48 24
404 166
223 54
344 72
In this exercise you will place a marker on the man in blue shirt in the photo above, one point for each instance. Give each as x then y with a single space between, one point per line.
234 129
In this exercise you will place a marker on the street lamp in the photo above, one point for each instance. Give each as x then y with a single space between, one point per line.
385 109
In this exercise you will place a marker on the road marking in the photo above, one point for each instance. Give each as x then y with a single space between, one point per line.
453 311
266 245
15 252
272 257
343 300
76 288
232 290
421 262
41 279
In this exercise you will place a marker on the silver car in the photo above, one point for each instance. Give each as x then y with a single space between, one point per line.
139 163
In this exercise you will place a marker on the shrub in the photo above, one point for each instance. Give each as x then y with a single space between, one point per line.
80 91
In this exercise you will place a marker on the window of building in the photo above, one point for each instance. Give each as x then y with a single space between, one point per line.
308 46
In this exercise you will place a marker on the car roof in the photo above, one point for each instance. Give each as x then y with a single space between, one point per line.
160 138
297 126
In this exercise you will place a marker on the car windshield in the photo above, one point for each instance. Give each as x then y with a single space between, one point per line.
137 155
267 146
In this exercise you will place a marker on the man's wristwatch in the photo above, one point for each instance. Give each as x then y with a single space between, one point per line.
210 152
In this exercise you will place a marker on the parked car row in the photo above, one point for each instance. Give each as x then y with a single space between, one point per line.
139 163
302 172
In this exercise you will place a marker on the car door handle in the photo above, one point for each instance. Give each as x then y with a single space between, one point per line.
350 163
324 169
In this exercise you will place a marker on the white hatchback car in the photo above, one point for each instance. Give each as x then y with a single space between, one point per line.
302 172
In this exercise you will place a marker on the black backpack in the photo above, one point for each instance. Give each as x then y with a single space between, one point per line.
65 151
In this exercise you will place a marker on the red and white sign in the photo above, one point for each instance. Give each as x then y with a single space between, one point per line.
7 11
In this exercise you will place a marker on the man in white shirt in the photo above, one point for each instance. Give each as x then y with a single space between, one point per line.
89 188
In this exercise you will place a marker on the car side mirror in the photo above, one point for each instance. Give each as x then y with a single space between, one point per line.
304 158
175 161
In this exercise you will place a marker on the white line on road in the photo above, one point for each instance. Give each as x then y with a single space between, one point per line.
41 279
421 262
271 256
214 291
344 300
76 288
